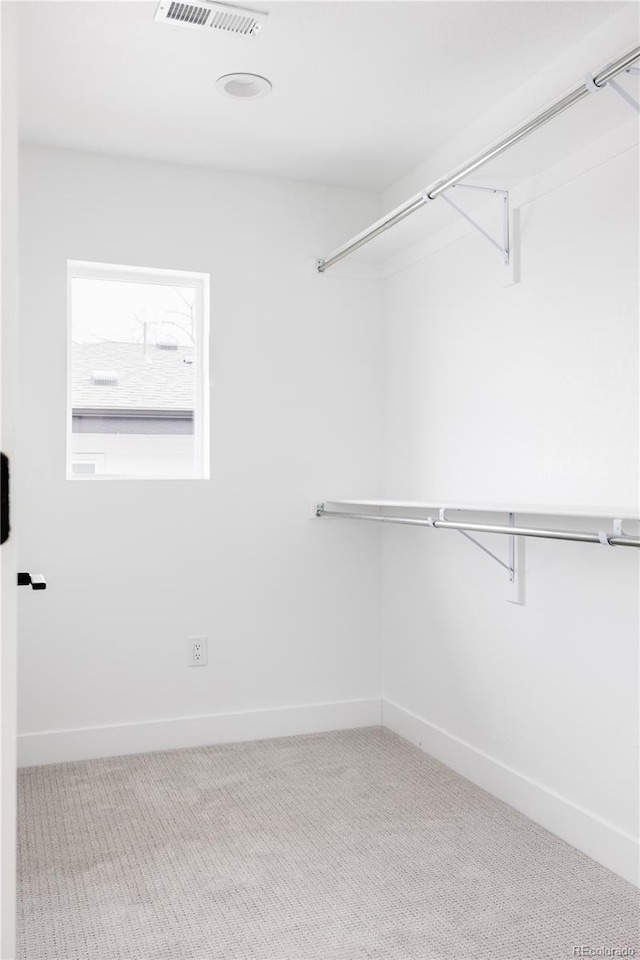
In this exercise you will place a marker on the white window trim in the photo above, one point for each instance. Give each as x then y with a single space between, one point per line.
87 270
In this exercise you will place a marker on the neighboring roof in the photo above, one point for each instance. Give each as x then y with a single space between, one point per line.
161 380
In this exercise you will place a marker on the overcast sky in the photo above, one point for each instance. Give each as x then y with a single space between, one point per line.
117 310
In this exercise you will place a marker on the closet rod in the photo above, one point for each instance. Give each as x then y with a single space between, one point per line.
431 193
581 537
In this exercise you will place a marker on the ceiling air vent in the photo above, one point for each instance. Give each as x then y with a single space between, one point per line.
209 15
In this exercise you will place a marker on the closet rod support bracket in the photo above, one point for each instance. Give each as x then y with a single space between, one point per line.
593 87
514 564
624 94
505 246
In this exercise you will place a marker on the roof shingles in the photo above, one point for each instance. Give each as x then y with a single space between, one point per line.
161 380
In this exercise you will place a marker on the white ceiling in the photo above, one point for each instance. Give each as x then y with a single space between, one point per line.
362 91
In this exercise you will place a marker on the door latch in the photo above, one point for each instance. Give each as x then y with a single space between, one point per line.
36 581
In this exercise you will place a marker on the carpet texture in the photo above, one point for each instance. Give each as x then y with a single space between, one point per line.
337 846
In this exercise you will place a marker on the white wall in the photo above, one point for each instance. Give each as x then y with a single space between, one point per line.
521 393
529 394
134 567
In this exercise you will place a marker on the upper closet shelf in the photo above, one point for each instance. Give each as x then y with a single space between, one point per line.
476 506
438 189
608 525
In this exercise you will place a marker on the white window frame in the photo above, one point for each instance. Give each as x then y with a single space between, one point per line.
87 270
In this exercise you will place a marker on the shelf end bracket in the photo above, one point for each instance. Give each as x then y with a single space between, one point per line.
514 565
624 94
505 246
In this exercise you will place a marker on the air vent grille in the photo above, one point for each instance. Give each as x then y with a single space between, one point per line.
218 16
186 13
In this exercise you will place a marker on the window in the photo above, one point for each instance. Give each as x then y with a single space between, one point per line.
138 396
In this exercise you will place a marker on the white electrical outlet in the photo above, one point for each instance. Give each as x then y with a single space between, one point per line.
197 651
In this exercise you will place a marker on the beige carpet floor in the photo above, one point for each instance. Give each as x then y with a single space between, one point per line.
337 846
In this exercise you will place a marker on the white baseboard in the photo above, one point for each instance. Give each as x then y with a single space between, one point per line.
592 835
60 746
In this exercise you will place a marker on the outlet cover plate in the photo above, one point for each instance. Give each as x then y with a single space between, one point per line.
197 651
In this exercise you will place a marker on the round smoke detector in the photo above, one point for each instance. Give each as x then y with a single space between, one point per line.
243 86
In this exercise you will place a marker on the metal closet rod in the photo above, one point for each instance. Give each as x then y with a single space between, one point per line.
431 193
511 531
